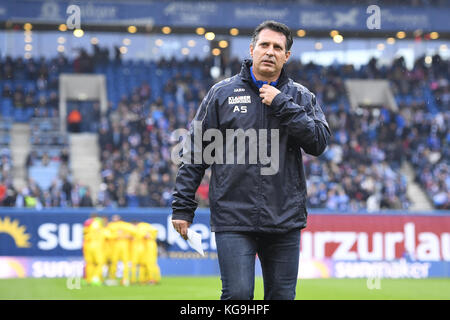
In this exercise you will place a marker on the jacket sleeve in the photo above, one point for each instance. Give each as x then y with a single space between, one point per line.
306 123
192 167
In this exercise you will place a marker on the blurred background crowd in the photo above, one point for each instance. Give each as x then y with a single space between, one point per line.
360 170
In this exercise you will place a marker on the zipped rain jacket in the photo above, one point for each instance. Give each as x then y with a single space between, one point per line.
242 198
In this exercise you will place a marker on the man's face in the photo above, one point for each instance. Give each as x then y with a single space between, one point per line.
269 53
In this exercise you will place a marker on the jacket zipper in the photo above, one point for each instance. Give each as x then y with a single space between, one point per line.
261 196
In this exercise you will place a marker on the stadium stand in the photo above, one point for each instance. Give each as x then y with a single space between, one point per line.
361 169
5 161
47 144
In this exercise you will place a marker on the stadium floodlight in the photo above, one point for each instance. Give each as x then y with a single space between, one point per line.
215 51
338 38
200 31
434 35
223 44
334 33
166 30
27 26
301 33
390 40
123 50
401 35
234 31
78 33
210 36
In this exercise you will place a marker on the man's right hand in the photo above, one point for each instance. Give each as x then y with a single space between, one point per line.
181 226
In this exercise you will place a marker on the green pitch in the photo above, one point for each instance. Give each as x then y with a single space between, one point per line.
208 288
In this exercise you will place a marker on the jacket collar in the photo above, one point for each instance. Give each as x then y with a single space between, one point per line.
260 83
247 75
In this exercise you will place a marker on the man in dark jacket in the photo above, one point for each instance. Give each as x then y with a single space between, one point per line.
256 207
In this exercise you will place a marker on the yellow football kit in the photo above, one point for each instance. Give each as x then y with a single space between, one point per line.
121 233
144 253
94 239
152 251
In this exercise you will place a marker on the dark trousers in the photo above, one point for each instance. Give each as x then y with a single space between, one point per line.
279 257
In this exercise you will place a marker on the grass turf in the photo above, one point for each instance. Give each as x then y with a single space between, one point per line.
208 288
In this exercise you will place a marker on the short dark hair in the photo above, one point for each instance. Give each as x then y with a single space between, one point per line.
275 26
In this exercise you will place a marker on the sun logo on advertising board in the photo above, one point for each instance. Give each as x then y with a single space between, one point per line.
12 268
16 231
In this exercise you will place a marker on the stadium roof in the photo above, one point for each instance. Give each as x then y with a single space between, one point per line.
221 17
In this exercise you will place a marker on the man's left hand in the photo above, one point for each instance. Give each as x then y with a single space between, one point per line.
268 93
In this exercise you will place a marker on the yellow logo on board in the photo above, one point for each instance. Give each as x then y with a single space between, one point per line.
16 231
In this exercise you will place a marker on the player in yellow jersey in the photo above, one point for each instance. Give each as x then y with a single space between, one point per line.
144 254
94 240
107 246
121 233
137 252
86 241
154 275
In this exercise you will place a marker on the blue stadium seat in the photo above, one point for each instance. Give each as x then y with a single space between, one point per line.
6 110
132 201
30 86
5 139
43 175
22 114
7 103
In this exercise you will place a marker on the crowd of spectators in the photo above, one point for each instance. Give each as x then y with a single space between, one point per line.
135 141
6 178
32 85
62 192
361 169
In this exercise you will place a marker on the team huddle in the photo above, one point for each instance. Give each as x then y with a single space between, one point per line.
105 245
